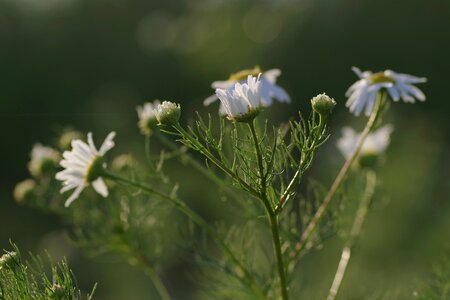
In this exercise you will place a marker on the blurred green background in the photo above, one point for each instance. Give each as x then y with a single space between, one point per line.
88 63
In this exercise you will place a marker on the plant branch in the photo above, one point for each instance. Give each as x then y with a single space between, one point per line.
339 179
196 218
186 158
305 161
203 150
273 219
278 253
156 280
259 156
354 233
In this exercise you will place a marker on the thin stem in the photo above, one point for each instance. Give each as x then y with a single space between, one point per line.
273 219
156 280
354 233
186 158
279 256
196 218
259 156
305 161
339 179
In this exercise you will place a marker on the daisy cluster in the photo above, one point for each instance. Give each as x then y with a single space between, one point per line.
242 96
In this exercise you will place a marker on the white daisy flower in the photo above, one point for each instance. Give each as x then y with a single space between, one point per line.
375 143
362 94
243 102
82 166
269 89
147 116
43 159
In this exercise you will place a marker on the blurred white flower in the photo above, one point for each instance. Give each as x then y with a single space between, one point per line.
243 102
269 89
24 189
83 165
9 260
147 116
42 160
375 143
362 94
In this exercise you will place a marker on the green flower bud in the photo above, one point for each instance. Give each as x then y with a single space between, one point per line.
323 104
168 113
24 190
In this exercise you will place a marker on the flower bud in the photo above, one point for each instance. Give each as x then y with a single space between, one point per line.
323 104
168 113
8 260
67 137
24 190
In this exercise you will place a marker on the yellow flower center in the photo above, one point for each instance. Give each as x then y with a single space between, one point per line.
244 73
380 77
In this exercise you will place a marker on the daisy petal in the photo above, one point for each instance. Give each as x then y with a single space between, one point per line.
100 187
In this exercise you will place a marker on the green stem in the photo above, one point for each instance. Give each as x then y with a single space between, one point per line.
354 233
279 256
156 280
195 164
259 156
339 179
301 168
273 219
181 206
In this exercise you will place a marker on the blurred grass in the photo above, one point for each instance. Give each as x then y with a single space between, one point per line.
88 63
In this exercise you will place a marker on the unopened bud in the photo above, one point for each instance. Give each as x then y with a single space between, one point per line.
323 104
168 113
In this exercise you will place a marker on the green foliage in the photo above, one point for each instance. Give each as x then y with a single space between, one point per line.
438 287
37 280
259 166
